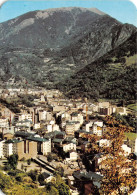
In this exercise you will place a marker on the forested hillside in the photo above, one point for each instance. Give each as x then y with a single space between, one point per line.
112 76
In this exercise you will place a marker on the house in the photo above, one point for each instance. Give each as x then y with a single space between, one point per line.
51 178
71 180
80 176
127 149
121 110
104 143
8 136
98 158
73 156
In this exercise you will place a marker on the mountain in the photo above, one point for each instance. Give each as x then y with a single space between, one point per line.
112 76
48 46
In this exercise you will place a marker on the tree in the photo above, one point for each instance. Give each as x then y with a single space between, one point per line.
29 161
5 181
54 191
63 189
33 175
118 171
49 158
41 179
13 161
93 140
60 171
61 186
19 178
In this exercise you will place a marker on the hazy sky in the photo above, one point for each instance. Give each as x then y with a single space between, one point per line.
123 10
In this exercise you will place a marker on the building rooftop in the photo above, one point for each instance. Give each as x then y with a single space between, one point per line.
87 175
23 134
54 133
13 141
57 140
37 139
74 114
72 122
70 140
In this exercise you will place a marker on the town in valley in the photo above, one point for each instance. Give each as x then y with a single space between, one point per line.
52 135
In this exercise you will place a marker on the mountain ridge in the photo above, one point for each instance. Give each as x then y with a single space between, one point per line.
47 51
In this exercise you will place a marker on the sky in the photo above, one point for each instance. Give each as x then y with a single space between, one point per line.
123 10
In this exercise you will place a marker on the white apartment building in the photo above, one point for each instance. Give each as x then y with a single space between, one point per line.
77 117
1 149
4 123
10 147
66 116
37 126
42 115
49 128
7 149
97 130
55 127
69 146
73 156
25 116
42 99
46 147
49 116
71 127
58 108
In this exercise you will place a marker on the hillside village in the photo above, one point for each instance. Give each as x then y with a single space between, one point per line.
56 132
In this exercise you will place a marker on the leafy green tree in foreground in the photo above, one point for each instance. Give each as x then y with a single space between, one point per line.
13 161
5 182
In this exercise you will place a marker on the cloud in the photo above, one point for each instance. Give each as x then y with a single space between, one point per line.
2 2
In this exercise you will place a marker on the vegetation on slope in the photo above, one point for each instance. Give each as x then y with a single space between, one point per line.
109 77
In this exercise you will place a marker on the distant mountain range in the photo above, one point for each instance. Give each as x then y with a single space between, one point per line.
46 47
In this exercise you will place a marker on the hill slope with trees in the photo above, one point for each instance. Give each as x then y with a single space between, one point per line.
112 76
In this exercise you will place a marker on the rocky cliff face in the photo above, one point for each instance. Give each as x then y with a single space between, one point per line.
47 46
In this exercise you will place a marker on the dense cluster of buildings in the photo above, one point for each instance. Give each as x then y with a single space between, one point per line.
52 123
